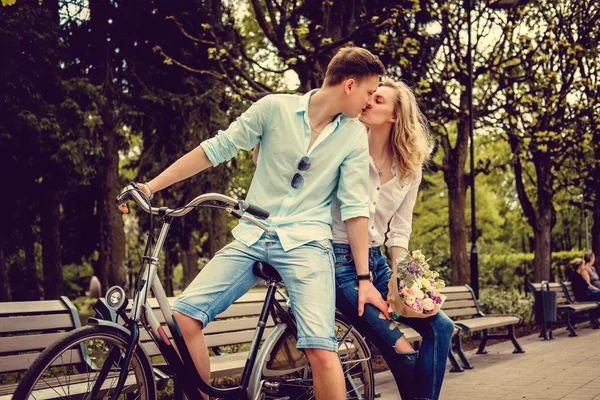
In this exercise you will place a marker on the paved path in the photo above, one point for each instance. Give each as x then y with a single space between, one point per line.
563 368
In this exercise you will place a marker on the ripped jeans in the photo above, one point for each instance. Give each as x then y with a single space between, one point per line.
436 331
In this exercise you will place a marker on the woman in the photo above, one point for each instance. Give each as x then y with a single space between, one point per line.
398 146
582 286
589 260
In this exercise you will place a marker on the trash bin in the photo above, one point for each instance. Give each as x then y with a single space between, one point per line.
545 304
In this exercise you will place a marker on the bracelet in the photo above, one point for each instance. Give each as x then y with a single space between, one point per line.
150 189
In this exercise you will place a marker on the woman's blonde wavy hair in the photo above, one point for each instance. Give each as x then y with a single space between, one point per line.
410 141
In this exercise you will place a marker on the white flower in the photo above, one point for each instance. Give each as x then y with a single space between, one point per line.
418 257
419 294
410 300
426 284
428 304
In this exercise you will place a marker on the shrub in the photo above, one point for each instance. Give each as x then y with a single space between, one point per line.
512 270
498 300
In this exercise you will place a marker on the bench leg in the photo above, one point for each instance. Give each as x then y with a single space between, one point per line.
511 332
457 348
546 332
456 367
484 340
594 320
570 326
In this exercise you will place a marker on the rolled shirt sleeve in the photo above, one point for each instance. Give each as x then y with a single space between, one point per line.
401 223
353 186
243 134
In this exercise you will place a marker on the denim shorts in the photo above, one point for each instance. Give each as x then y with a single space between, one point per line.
308 274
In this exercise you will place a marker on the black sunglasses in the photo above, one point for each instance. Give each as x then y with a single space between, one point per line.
303 165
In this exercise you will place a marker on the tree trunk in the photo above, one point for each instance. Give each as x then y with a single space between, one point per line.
116 244
218 231
457 225
32 288
5 294
544 221
50 235
170 260
454 175
542 260
596 224
189 260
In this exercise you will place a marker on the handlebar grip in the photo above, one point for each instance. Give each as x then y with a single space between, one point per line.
123 198
256 211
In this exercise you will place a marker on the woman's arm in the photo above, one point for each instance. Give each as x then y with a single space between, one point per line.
396 252
586 277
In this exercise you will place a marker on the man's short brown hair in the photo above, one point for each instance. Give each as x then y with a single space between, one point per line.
352 62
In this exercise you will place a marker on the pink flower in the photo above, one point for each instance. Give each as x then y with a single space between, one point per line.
407 291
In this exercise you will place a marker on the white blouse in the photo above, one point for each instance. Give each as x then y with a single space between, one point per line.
390 204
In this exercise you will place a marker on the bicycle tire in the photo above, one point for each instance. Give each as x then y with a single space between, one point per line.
287 374
85 347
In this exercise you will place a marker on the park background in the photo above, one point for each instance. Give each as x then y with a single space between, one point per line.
98 93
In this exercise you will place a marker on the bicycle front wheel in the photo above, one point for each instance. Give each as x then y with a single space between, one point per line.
85 364
287 373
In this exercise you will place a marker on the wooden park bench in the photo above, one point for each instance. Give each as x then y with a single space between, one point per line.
26 329
566 307
461 305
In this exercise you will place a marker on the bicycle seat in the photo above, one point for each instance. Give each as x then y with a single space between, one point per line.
266 272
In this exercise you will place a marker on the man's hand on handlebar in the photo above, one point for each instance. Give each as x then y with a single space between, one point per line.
124 208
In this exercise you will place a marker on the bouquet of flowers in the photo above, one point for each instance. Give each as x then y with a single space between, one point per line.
414 288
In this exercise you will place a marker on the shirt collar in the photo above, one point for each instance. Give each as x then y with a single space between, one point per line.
303 107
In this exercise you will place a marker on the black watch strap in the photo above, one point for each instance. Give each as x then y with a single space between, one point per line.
364 277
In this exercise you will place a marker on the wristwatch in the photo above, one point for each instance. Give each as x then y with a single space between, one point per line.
365 277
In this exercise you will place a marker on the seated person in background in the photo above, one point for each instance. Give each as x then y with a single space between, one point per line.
580 279
589 260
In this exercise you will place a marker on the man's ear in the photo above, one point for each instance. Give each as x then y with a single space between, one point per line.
348 85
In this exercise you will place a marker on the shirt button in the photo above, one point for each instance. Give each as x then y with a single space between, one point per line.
372 227
378 188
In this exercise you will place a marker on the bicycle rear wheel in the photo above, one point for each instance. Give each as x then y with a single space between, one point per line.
71 367
287 373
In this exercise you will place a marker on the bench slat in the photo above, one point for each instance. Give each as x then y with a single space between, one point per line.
22 343
458 296
21 362
35 323
481 323
223 339
461 312
32 307
448 305
76 390
454 289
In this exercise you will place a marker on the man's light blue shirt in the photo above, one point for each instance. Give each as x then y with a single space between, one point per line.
339 160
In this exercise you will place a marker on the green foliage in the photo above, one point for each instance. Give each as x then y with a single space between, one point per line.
510 270
500 300
77 279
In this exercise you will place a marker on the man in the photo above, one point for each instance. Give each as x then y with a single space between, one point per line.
310 145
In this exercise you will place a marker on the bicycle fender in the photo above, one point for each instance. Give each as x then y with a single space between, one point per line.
254 384
103 322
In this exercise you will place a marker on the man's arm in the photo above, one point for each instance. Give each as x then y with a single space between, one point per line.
244 133
189 165
358 237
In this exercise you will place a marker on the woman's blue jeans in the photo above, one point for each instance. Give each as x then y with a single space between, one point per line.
436 330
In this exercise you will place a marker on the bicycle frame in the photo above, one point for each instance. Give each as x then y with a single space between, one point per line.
185 373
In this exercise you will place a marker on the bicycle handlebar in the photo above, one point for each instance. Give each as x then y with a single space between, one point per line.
131 192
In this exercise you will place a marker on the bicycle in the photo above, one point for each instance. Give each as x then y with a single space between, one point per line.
109 363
